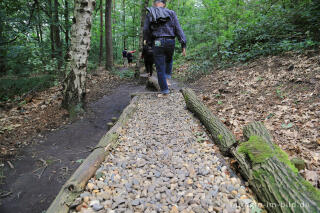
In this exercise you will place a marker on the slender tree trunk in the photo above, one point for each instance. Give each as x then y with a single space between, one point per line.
51 28
37 33
143 17
67 26
144 5
75 83
2 49
101 33
134 27
39 22
108 29
124 37
56 33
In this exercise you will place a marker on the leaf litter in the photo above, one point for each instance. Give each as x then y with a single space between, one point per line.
22 120
286 100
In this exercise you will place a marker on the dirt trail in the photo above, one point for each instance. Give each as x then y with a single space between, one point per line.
33 185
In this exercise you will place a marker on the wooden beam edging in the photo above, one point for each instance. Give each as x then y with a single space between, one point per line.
77 182
272 177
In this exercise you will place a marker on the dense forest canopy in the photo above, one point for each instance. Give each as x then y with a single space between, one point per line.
35 35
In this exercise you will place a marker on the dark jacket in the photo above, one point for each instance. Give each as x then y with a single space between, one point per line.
162 22
147 53
124 53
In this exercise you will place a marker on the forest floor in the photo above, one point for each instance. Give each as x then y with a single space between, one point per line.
35 173
281 91
41 111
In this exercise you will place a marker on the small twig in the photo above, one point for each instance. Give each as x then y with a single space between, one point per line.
5 195
10 164
39 176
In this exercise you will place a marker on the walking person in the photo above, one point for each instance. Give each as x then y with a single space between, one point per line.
161 27
147 55
124 57
130 57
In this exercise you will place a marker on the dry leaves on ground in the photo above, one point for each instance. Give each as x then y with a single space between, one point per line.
283 92
42 111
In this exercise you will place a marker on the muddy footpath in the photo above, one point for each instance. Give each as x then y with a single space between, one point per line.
42 168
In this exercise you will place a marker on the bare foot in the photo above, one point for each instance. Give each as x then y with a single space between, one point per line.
162 95
168 82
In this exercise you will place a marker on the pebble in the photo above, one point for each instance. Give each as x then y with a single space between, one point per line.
159 166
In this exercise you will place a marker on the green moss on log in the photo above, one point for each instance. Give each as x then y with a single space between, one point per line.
284 158
314 192
259 151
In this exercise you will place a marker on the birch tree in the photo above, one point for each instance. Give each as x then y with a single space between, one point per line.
75 83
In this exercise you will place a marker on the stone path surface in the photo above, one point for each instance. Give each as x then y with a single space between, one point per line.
164 163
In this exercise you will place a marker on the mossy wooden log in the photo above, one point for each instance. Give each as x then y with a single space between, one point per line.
219 132
273 178
77 182
152 83
143 78
263 164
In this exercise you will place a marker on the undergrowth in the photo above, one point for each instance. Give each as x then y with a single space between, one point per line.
12 86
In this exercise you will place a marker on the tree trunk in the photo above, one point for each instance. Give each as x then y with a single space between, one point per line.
221 135
51 28
67 26
152 83
108 28
274 179
101 33
74 86
56 33
2 49
124 37
39 22
143 12
263 164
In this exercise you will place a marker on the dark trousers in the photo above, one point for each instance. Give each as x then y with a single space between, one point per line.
163 53
148 63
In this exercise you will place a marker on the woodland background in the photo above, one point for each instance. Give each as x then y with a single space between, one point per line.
35 35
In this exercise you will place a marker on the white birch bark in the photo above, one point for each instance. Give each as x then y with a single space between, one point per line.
75 82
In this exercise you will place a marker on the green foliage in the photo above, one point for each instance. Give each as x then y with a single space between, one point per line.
124 73
223 32
11 86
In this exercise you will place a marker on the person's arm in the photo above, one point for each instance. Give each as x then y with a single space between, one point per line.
179 32
146 28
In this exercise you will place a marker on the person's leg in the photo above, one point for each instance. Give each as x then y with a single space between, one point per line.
151 64
150 68
148 60
169 51
146 65
159 59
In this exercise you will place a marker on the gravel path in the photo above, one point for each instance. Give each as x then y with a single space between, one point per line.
164 163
